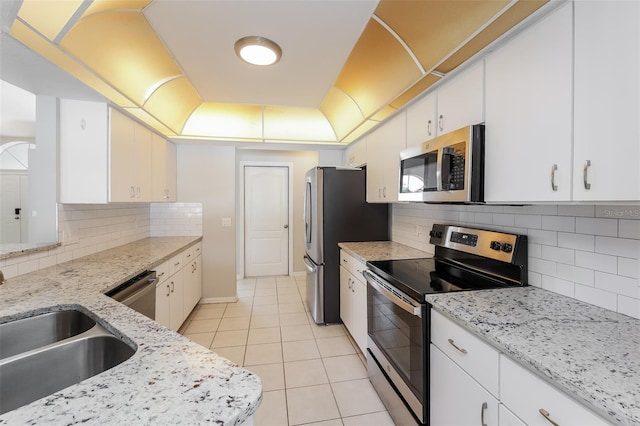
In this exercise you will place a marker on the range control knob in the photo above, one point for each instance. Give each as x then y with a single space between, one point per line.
507 248
435 234
495 245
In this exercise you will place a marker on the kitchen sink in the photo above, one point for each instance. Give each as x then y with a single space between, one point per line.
29 333
40 371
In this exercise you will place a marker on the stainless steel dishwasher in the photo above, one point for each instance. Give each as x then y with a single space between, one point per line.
138 293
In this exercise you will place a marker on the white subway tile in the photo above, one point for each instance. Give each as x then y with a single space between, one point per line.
597 297
64 257
549 238
628 267
28 266
617 284
543 267
629 306
484 218
535 279
10 271
576 241
528 221
556 254
598 262
577 210
591 226
618 247
559 223
504 219
467 217
559 286
534 250
576 274
629 229
45 262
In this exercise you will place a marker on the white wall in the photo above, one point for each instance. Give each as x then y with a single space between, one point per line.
206 174
586 252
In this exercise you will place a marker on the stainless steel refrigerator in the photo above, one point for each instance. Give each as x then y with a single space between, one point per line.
335 210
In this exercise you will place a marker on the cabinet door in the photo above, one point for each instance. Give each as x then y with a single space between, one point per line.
83 152
192 285
345 299
383 160
461 100
375 166
176 284
143 163
172 172
607 101
421 120
356 154
163 303
122 158
359 313
528 114
159 162
507 418
197 272
456 399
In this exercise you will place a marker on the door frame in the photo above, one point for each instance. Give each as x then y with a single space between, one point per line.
240 228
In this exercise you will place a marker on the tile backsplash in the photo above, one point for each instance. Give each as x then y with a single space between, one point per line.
176 219
588 252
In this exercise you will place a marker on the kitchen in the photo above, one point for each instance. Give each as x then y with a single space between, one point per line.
586 250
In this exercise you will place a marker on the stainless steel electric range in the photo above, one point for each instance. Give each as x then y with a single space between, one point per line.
398 316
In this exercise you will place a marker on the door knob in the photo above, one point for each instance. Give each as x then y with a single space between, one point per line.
286 227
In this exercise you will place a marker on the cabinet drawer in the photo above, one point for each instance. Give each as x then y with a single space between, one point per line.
176 263
476 357
540 397
162 272
352 265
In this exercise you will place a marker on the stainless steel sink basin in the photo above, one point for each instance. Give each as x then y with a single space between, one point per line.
38 372
41 330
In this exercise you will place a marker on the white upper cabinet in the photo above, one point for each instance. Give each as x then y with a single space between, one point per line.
421 120
356 154
107 157
163 165
607 96
528 114
461 100
383 159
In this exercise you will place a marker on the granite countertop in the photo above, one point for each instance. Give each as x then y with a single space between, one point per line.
169 379
589 352
382 250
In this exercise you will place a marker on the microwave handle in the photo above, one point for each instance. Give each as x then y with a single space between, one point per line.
445 170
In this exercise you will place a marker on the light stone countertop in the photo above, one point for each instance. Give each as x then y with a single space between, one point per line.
382 250
169 379
588 352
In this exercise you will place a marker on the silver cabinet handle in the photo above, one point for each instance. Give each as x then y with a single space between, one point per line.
452 343
161 275
554 168
441 122
384 192
172 286
547 416
585 172
484 407
132 192
168 290
137 192
429 131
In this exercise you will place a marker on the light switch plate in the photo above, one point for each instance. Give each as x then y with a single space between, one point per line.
226 222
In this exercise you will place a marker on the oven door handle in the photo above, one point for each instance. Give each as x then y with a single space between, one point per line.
373 282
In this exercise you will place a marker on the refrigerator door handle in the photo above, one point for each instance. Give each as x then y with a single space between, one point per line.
308 263
307 211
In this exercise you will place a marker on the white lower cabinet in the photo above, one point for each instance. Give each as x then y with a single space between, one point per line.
456 398
163 295
353 299
176 311
192 284
507 418
542 403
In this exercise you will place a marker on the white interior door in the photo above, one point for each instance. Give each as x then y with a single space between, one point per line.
266 215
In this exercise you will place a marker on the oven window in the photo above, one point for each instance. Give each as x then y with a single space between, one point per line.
419 174
400 336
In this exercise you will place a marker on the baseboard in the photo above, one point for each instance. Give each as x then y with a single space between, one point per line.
207 300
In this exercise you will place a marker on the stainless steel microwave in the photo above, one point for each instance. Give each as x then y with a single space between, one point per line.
446 169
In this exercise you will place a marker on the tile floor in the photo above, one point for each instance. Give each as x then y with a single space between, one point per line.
311 374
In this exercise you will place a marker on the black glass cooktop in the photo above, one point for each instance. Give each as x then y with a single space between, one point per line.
419 277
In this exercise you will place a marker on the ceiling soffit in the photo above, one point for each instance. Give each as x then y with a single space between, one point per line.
405 48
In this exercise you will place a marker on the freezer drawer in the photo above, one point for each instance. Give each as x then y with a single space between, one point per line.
315 290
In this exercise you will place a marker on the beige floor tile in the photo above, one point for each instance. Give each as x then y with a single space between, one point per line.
268 353
285 278
290 308
237 311
344 368
242 301
224 339
264 335
324 331
266 282
273 409
334 422
265 300
298 318
292 333
356 397
246 281
203 339
249 292
232 353
211 306
208 313
272 375
285 299
202 326
264 321
378 419
300 350
227 324
304 373
311 404
261 292
335 346
288 291
265 310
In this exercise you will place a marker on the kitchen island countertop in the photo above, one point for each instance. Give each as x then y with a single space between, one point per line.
168 380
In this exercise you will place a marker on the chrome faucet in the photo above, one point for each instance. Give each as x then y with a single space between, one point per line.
2 280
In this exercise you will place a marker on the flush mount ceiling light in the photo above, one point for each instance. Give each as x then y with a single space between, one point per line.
258 50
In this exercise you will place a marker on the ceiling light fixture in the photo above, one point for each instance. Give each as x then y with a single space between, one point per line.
258 50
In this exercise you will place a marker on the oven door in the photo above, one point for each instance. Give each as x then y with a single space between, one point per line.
397 330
